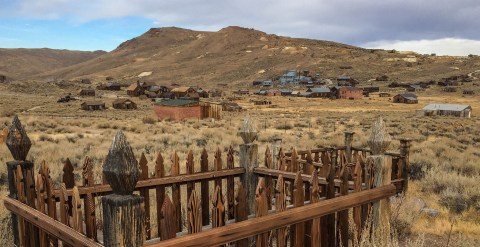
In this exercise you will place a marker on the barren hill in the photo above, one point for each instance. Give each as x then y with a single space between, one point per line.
238 55
26 63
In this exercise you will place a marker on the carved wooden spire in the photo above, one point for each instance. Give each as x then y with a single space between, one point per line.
17 140
248 131
379 138
121 168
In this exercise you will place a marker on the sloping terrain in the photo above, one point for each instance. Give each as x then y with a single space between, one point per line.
18 64
238 55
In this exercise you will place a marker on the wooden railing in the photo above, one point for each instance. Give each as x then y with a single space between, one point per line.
311 191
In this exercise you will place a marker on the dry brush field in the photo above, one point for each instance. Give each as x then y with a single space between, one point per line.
445 155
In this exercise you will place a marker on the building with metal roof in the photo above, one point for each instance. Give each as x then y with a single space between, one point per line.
446 110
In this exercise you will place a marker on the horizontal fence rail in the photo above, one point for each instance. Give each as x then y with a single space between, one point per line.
244 229
66 234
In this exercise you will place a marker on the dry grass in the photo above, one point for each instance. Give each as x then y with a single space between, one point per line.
444 158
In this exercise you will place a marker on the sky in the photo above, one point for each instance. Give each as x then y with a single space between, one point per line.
425 26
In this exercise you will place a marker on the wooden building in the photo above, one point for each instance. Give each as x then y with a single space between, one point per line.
93 106
87 92
111 86
350 93
185 92
135 89
406 98
384 94
125 104
319 92
469 92
454 110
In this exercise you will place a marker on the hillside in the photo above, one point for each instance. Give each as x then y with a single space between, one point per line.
18 64
238 55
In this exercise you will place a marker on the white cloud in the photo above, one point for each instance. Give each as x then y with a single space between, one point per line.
445 46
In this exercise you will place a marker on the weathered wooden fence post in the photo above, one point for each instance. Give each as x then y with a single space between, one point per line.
405 145
348 145
249 160
19 144
382 164
123 212
276 143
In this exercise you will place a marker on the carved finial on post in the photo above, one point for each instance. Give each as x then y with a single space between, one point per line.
17 140
121 168
19 144
379 138
122 172
249 159
248 131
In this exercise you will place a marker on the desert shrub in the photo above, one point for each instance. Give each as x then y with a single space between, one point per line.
417 170
149 120
46 138
454 201
284 126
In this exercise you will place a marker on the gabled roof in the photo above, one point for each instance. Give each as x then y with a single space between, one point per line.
180 89
319 90
132 87
407 95
120 101
92 103
446 107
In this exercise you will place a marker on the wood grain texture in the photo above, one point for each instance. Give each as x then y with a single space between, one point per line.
176 194
64 233
241 210
194 212
159 189
315 234
270 222
145 193
205 189
281 206
298 201
261 209
230 185
168 223
77 223
357 211
190 169
268 162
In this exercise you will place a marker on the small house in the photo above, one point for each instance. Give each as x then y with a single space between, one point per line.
319 92
405 98
350 93
125 104
178 109
185 92
384 94
267 83
468 92
135 90
111 86
274 93
346 81
242 92
262 102
371 89
87 92
455 110
93 106
415 88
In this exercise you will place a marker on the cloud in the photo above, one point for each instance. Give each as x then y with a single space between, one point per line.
349 21
446 46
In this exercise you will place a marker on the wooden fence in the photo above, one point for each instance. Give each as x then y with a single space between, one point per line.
297 198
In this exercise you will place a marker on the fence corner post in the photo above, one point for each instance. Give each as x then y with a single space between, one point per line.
122 172
379 141
19 144
276 143
348 145
405 144
249 160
